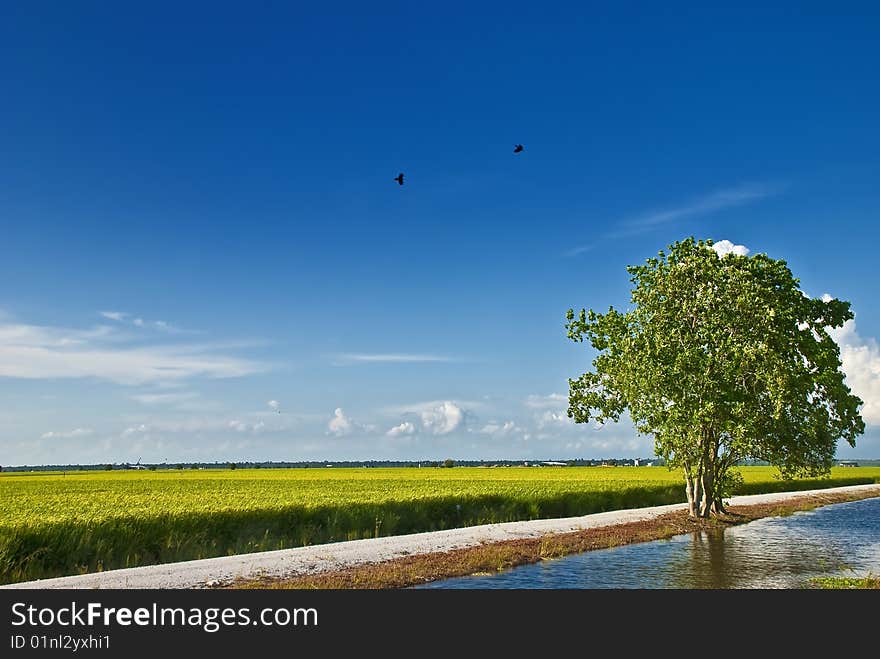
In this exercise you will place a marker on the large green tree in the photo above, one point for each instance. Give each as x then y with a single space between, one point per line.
720 358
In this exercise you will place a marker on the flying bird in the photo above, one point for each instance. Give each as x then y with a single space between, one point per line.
399 178
518 148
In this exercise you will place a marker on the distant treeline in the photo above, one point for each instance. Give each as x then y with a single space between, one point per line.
305 464
316 464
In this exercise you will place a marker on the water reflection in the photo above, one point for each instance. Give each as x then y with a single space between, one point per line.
767 555
777 552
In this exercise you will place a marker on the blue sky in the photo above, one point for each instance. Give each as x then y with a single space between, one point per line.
199 216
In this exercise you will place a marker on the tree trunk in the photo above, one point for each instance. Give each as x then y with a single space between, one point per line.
694 495
708 499
689 491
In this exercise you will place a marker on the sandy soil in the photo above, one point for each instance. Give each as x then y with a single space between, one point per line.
212 572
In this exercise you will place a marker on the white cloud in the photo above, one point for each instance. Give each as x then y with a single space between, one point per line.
860 358
405 428
723 247
274 405
442 419
550 412
41 352
166 327
139 322
500 429
430 405
196 426
340 424
543 402
390 358
76 432
242 426
552 418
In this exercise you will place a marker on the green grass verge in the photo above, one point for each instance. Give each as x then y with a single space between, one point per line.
846 583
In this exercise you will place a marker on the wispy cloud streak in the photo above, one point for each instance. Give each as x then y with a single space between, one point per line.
579 250
391 358
126 318
42 352
710 203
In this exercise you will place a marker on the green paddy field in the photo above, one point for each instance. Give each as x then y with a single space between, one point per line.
54 524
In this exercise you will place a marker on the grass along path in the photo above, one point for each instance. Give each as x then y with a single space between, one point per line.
410 571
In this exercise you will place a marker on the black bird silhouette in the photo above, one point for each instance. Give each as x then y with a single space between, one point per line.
518 148
399 178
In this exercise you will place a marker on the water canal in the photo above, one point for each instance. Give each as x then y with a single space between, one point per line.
773 552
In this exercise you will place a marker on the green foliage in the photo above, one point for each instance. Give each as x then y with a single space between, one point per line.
720 359
448 463
731 482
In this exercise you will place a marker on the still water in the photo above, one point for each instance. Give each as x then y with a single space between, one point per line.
774 552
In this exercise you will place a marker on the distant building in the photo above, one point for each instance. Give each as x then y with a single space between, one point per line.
847 463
